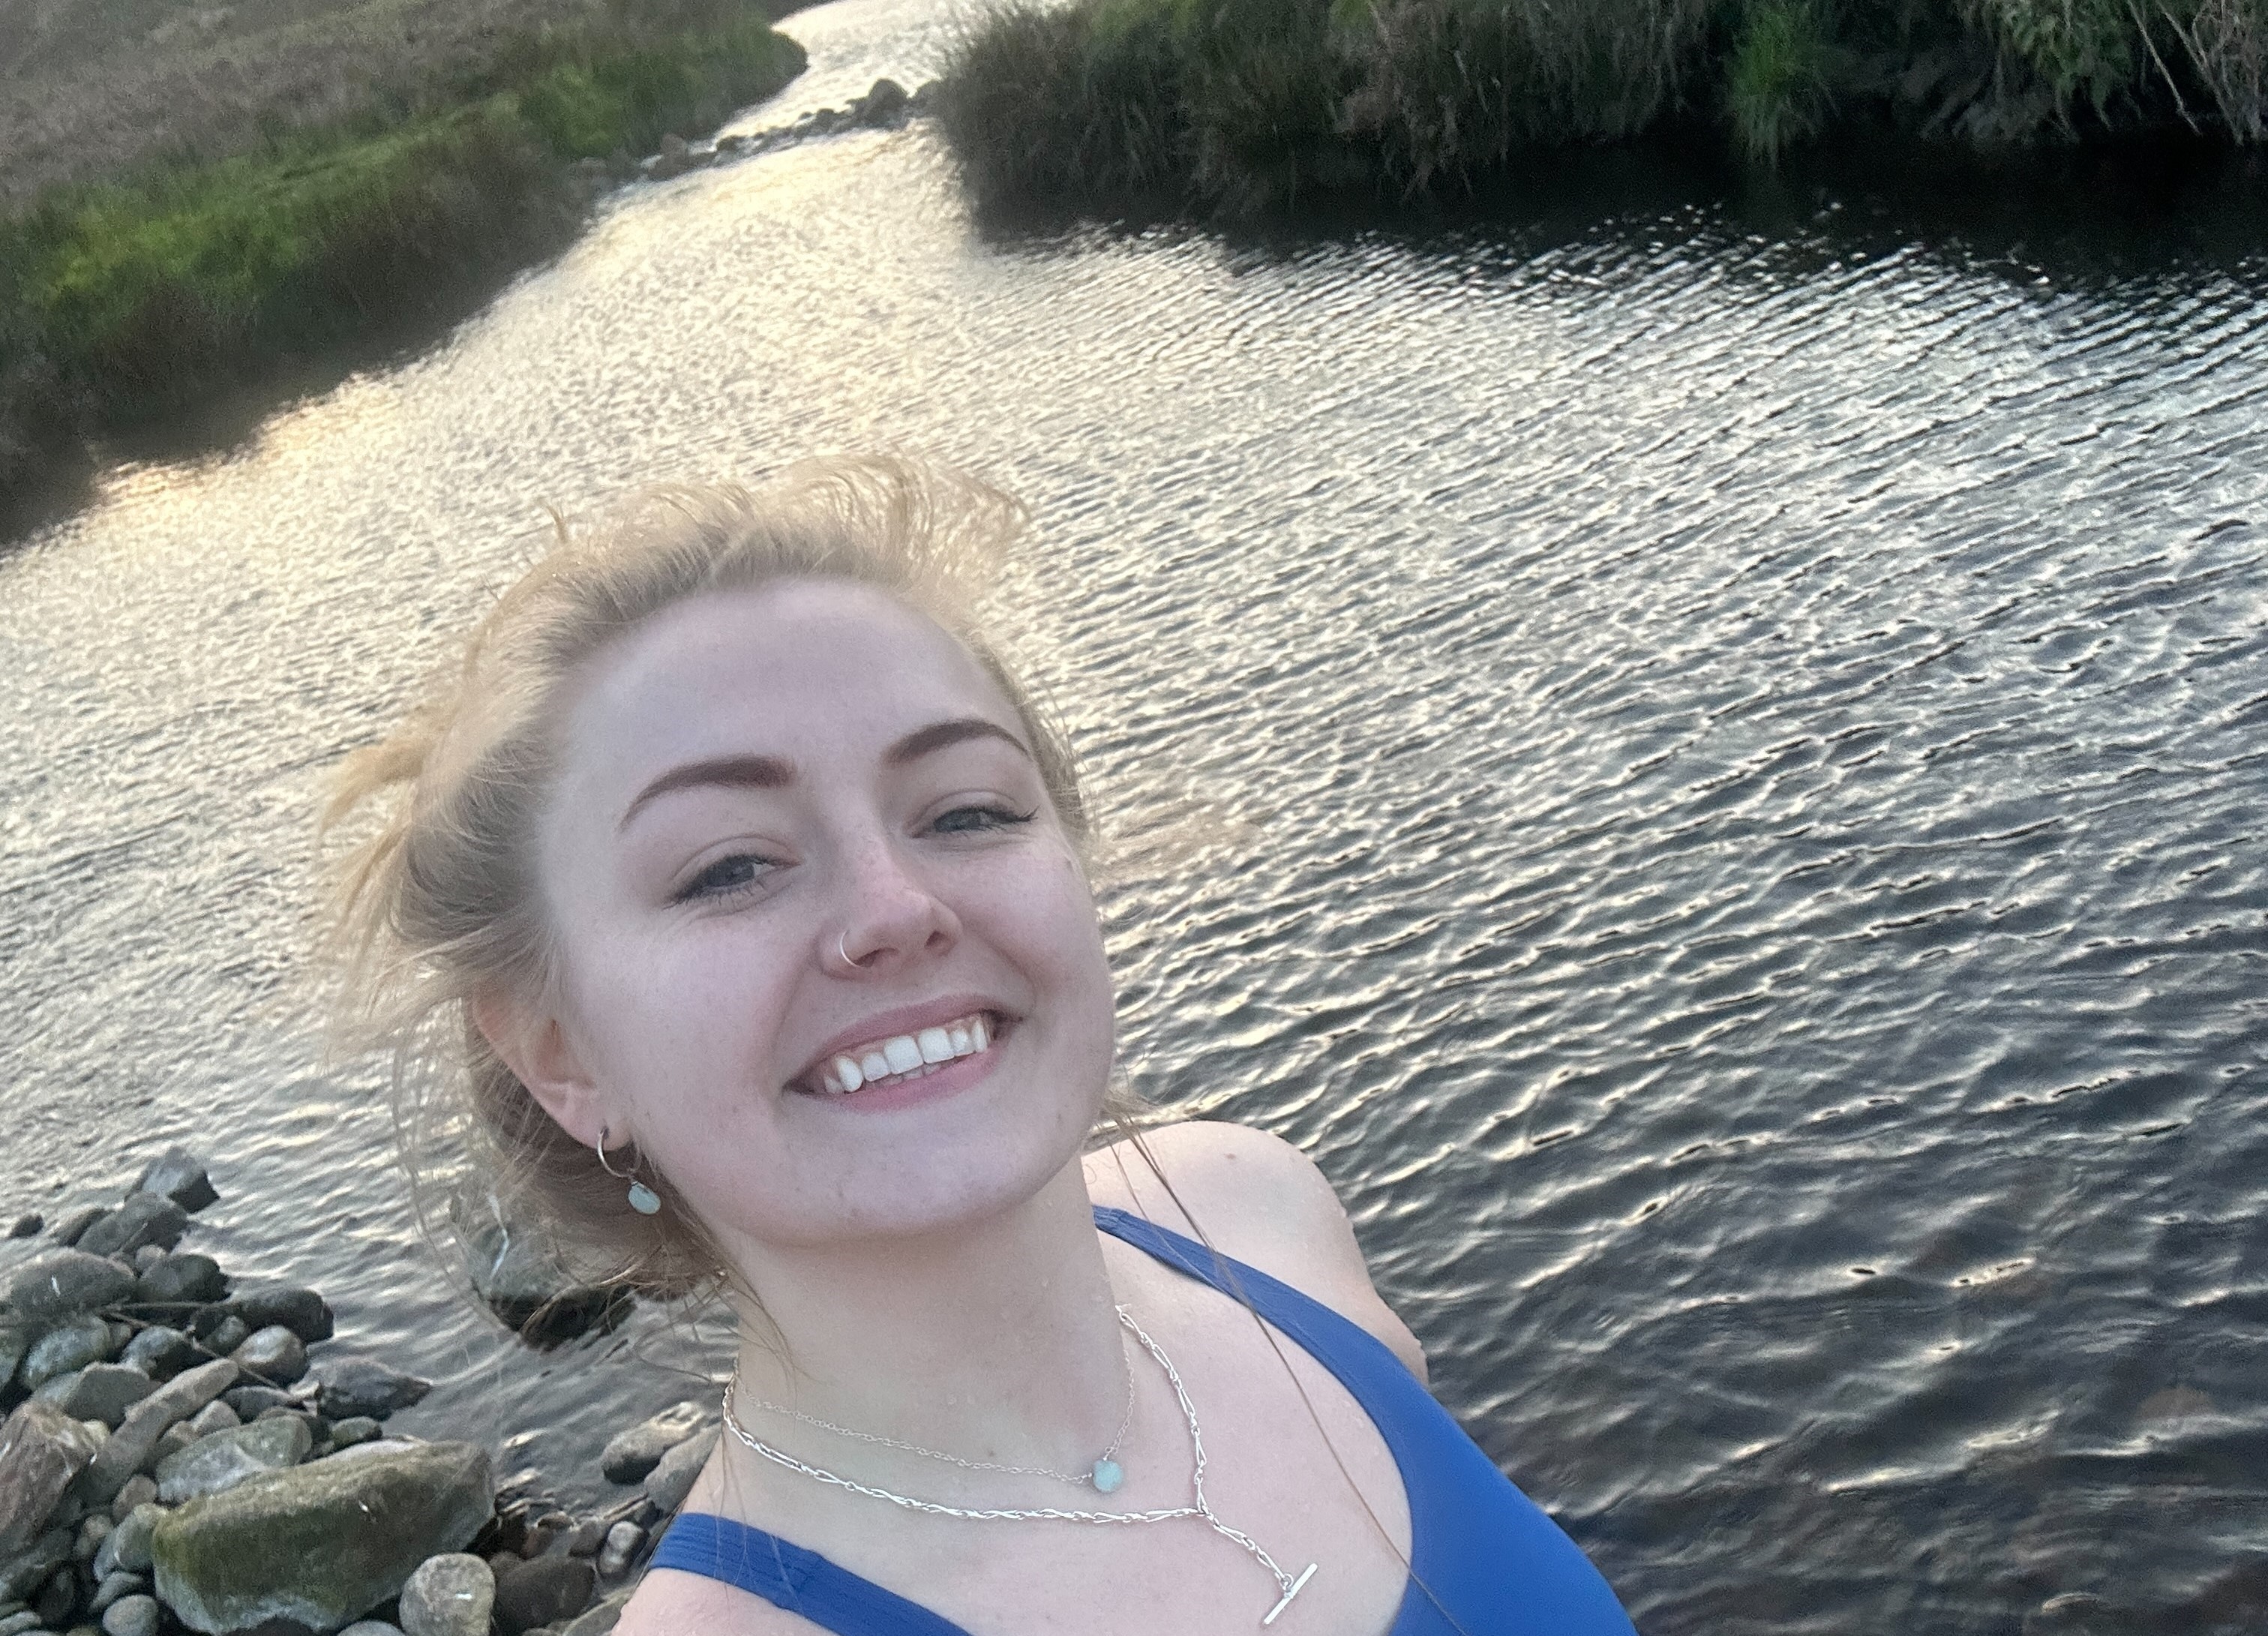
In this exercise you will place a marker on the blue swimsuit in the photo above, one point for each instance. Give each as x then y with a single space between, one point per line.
1492 1559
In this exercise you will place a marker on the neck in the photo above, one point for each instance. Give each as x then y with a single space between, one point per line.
995 1340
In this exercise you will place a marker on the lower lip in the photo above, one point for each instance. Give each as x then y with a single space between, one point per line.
945 1080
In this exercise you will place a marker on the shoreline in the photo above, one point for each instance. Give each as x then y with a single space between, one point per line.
165 1427
1248 108
131 299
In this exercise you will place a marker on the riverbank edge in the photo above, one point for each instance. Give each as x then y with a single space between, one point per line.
132 302
164 1427
1252 108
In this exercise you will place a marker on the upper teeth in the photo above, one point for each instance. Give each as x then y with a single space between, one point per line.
905 1053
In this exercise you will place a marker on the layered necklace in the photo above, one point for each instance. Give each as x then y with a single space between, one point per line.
1105 1476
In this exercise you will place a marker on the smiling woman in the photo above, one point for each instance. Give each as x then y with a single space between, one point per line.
741 898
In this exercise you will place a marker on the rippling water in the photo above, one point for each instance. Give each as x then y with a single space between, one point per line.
1711 776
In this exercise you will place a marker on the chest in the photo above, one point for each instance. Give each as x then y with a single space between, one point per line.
1292 1464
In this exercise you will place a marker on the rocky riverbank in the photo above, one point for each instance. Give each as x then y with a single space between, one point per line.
184 1454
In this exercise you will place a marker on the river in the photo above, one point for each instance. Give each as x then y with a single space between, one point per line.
1712 776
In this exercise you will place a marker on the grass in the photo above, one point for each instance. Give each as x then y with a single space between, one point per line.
125 299
1246 105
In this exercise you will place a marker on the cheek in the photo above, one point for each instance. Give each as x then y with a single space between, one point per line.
666 1020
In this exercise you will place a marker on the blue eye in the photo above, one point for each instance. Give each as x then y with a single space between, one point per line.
978 818
728 877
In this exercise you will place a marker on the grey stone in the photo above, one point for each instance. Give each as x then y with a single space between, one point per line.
448 1596
273 1355
159 1353
42 1451
73 1227
585 1538
884 105
143 1218
215 1416
624 1541
529 1594
64 1283
170 1442
128 1543
92 1531
601 1618
215 1464
673 1479
15 1624
141 1489
320 1543
131 1616
148 1421
226 1335
114 1585
302 1311
16 1339
146 1257
27 1226
355 1429
519 1271
251 1402
57 1602
179 1175
25 1570
371 1627
631 1454
100 1391
354 1386
183 1279
71 1344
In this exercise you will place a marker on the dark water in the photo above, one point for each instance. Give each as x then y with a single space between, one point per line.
1710 774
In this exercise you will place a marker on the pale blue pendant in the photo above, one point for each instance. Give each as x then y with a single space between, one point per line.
1108 1476
644 1200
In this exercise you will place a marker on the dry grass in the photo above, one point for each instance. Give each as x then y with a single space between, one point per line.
265 185
91 90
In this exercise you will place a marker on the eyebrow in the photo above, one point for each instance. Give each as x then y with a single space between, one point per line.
775 772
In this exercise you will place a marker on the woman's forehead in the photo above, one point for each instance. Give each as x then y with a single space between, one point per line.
797 667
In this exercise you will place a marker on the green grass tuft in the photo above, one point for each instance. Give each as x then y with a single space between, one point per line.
1777 87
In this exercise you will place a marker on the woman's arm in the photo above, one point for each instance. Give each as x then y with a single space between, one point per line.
1261 1200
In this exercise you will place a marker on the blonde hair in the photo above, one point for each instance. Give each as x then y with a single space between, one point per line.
440 903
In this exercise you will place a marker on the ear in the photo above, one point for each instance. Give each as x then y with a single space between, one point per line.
533 1044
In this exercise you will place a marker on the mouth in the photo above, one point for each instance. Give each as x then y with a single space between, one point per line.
901 1059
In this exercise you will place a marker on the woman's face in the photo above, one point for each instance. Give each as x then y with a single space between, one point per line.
799 843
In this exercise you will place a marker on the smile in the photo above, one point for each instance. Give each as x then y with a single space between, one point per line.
903 1057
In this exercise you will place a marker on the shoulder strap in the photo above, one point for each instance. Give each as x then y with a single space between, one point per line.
1345 1347
788 1576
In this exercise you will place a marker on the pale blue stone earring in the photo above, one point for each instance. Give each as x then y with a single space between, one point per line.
644 1200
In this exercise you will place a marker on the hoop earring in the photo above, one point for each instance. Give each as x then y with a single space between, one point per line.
642 1199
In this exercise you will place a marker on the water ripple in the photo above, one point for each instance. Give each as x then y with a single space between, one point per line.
1710 776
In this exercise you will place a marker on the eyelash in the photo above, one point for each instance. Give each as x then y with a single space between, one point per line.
699 889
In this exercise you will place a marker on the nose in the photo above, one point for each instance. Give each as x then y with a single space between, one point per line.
893 918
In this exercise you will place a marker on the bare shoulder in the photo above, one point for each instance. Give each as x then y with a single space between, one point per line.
1259 1200
669 1603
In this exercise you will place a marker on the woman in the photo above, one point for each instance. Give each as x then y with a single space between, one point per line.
751 894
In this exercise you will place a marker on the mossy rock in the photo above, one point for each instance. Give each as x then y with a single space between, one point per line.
321 1544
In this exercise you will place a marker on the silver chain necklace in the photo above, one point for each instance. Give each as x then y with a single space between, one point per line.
1284 1582
1104 1476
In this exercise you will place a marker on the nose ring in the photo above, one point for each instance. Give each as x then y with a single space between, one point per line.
841 940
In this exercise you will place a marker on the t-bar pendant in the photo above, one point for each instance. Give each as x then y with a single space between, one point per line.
1288 1595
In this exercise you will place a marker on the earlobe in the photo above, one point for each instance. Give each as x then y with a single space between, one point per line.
535 1047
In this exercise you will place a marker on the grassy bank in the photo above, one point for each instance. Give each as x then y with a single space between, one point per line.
1246 105
128 298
